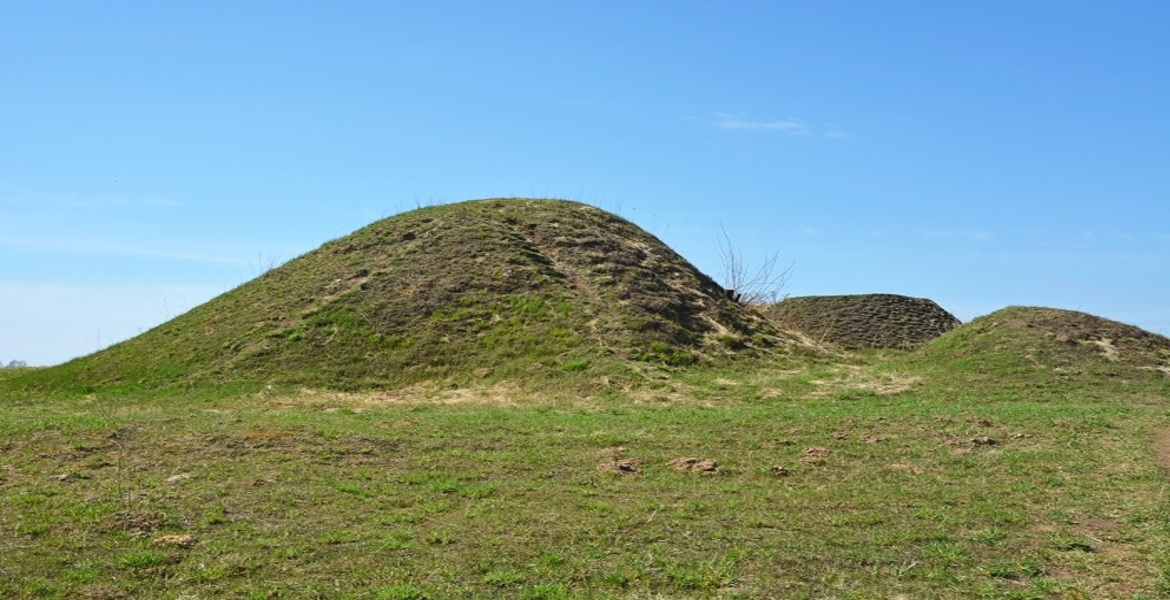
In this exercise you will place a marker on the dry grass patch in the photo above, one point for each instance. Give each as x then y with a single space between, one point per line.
856 378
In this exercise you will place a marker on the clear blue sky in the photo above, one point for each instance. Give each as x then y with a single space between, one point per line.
981 154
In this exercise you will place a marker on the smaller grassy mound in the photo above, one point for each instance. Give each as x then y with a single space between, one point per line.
865 320
1018 339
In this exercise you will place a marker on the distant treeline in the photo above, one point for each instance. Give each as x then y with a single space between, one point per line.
13 364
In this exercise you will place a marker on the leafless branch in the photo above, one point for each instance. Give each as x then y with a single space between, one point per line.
763 286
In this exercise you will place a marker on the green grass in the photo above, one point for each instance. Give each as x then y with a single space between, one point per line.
537 400
931 484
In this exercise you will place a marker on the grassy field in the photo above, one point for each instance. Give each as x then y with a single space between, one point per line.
870 476
538 400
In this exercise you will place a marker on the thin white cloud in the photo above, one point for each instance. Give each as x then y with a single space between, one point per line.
789 126
742 122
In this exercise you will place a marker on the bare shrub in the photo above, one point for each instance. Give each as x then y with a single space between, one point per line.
764 285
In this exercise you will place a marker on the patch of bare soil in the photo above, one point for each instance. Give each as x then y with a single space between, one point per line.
620 466
179 540
695 465
617 464
905 468
815 455
136 523
966 446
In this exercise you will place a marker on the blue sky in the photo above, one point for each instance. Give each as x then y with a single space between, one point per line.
981 154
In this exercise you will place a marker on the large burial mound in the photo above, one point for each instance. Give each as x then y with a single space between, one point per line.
488 288
1029 338
865 320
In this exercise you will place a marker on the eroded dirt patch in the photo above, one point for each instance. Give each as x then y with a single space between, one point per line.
617 463
620 466
815 455
695 465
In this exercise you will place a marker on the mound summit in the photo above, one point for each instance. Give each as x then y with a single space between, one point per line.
483 288
865 320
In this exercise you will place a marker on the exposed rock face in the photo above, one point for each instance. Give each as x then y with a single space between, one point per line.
865 320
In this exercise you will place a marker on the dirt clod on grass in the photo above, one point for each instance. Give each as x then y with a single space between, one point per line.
620 466
179 540
695 465
136 522
815 455
904 468
972 442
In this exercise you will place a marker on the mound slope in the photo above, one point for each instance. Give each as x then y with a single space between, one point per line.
482 288
865 320
1049 338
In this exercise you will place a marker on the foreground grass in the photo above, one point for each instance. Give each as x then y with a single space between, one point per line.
857 481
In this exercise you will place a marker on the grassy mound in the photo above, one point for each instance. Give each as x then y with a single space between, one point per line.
1048 339
865 320
480 289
